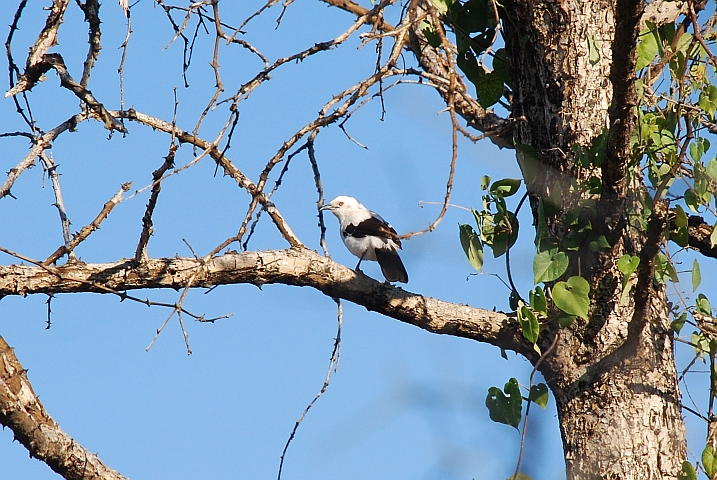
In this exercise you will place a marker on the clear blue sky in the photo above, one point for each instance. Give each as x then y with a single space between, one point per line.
405 404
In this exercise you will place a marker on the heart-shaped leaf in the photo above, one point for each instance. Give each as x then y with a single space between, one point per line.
628 264
549 265
687 472
572 296
539 394
505 408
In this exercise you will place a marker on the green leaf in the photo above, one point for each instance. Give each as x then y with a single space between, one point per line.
713 236
572 296
711 169
680 236
529 324
646 49
627 264
664 270
700 344
599 243
698 148
593 50
429 31
696 275
513 301
709 462
687 472
505 187
538 301
703 305
505 408
549 265
708 99
683 43
442 5
501 68
472 246
484 182
565 320
489 87
503 233
472 16
677 325
539 394
691 200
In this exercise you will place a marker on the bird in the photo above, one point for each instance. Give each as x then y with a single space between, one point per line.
368 236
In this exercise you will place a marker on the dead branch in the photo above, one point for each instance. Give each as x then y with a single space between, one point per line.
56 61
295 266
91 9
36 66
51 169
141 251
229 168
88 229
39 146
24 414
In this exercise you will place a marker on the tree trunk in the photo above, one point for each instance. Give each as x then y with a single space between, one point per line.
621 419
613 377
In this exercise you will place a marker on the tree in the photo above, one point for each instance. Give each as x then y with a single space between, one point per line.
606 105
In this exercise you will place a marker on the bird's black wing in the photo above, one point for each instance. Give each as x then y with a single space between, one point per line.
391 265
375 227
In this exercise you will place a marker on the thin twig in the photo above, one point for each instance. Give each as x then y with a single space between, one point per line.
88 229
527 409
333 367
51 169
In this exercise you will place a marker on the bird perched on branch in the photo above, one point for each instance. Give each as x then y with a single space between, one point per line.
369 237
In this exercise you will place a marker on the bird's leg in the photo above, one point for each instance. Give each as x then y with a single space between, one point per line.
357 269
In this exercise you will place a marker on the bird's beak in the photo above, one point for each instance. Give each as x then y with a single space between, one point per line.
325 207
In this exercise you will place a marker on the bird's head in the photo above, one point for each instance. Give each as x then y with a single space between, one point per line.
342 205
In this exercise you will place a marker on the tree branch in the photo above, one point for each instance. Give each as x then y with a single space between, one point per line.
698 232
499 130
624 96
296 266
22 412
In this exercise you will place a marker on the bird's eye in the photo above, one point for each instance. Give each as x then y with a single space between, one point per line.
341 204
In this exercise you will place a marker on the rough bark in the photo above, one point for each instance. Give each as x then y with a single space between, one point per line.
23 413
297 266
613 377
621 418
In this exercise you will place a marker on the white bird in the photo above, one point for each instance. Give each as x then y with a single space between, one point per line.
368 236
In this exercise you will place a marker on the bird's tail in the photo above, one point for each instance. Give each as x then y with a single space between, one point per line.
391 265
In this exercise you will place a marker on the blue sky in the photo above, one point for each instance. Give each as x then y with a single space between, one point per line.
404 403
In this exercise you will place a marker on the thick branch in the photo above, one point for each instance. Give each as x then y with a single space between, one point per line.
36 65
297 266
698 233
661 12
624 98
22 412
465 105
